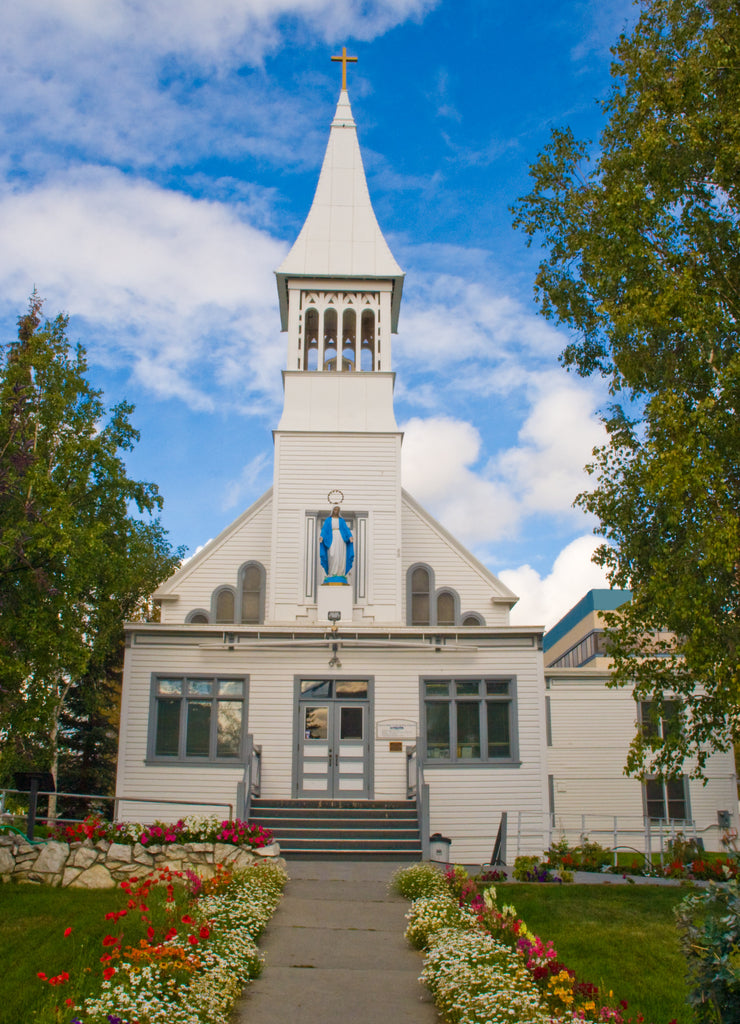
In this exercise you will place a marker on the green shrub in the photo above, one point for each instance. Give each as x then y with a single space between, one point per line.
709 924
418 880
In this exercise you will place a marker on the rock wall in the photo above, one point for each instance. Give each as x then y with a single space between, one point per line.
103 864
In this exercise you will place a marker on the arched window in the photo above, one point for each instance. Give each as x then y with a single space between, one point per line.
419 605
252 593
311 340
224 604
349 334
198 615
330 339
445 608
367 340
472 619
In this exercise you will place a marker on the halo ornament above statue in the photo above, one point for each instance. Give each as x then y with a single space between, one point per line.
335 497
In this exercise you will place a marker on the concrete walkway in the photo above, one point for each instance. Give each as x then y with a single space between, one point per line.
335 952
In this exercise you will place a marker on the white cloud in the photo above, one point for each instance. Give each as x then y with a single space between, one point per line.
246 483
180 289
546 468
544 600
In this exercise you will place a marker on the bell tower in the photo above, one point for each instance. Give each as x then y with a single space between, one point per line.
339 289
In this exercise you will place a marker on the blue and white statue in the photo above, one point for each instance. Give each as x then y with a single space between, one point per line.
337 549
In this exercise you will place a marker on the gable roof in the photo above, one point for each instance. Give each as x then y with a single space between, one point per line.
502 594
167 589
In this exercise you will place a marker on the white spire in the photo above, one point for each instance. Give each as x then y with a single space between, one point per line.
341 237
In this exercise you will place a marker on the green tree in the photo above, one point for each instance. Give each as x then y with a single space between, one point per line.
642 262
79 546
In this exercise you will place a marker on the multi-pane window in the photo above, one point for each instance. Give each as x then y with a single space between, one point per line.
665 799
420 597
590 647
469 720
252 593
198 718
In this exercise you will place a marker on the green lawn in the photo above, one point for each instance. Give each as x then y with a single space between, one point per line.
620 937
33 919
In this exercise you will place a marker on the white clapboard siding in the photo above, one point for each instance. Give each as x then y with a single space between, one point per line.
395 675
218 563
592 726
366 468
424 540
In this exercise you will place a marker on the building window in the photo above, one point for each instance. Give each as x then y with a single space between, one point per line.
469 721
252 593
198 615
446 608
197 719
592 646
666 800
223 604
472 619
419 595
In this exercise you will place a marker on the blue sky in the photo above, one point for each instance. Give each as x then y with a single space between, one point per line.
157 162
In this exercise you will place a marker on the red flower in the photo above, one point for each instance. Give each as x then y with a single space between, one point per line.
204 933
170 934
150 933
192 940
67 932
110 940
108 973
41 975
69 1002
187 919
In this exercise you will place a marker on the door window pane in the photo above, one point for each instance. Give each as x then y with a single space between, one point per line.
316 687
168 727
438 730
498 729
468 730
198 728
229 728
351 688
315 723
350 723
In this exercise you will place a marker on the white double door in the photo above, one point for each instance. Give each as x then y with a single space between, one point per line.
333 740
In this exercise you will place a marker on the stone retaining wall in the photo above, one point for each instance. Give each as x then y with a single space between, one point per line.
103 864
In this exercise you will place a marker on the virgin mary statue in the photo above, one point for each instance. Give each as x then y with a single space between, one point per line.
336 550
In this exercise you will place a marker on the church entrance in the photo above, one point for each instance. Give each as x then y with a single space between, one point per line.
333 745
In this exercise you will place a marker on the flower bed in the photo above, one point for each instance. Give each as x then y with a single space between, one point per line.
175 954
192 829
484 966
96 854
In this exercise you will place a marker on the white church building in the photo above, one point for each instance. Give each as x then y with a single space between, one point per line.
365 713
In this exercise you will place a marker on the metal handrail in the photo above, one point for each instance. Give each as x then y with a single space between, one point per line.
417 789
160 800
251 783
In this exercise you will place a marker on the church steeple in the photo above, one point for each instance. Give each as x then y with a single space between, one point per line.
339 286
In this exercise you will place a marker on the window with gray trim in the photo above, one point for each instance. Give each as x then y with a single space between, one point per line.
251 593
469 721
197 718
666 800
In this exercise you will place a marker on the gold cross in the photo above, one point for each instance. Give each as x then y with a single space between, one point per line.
345 59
